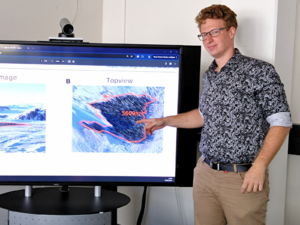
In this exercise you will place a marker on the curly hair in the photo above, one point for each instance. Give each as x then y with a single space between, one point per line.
217 12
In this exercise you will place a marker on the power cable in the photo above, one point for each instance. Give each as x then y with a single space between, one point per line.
140 219
76 12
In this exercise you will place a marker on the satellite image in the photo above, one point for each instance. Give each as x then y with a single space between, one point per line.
22 118
104 119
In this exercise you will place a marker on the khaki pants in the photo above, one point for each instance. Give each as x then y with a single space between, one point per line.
218 199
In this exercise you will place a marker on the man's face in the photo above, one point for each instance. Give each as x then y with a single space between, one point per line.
221 45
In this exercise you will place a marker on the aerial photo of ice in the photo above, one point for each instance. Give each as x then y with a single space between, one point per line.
104 119
22 118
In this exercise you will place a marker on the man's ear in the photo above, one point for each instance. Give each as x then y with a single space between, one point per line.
232 32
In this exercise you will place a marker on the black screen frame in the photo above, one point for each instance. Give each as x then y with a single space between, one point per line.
188 99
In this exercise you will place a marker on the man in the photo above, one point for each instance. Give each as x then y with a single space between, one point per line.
245 119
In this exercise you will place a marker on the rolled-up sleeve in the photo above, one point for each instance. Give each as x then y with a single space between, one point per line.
272 99
282 119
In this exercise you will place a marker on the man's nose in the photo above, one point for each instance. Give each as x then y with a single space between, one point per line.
209 38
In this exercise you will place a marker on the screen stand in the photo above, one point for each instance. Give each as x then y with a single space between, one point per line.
64 188
48 204
97 191
28 190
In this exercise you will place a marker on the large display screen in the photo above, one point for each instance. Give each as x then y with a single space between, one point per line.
68 113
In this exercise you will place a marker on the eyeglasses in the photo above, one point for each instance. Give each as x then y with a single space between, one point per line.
213 33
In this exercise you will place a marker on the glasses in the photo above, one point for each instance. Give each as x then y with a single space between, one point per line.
213 33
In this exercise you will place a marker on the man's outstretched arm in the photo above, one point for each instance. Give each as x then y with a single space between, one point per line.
191 119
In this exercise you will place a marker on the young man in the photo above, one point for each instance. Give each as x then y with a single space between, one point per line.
245 119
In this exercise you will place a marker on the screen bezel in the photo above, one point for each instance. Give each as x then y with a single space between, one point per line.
187 139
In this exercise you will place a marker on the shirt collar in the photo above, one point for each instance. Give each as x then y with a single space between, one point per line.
233 60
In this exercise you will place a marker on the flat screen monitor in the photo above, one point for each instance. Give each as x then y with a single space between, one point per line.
68 113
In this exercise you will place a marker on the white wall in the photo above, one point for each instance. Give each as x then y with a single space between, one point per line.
283 62
114 26
259 35
292 215
35 20
295 106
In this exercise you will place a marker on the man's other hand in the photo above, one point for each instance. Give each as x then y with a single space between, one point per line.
254 179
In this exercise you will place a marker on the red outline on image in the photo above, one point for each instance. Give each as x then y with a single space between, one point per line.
15 124
107 98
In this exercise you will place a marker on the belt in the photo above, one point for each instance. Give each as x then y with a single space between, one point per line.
228 167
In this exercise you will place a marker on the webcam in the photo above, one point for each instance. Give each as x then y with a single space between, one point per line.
66 34
66 28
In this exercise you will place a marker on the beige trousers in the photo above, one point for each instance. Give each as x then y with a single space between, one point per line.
218 199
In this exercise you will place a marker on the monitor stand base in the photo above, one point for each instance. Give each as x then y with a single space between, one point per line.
51 204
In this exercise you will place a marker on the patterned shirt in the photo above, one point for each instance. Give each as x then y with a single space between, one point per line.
237 105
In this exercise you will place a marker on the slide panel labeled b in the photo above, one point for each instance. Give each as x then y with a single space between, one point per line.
104 119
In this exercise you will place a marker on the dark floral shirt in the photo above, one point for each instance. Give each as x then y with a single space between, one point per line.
235 105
